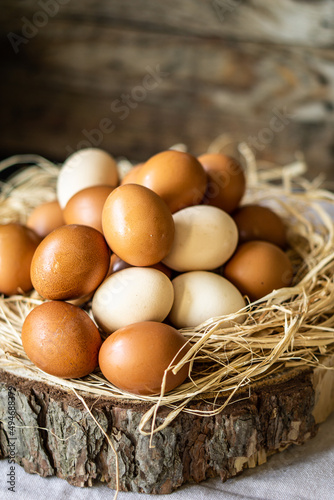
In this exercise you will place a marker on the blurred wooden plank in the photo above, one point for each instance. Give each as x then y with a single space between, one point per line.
243 79
54 124
286 22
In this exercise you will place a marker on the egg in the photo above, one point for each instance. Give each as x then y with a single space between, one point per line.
17 247
135 357
259 267
137 225
226 181
85 207
256 222
132 175
132 295
85 168
45 218
61 339
70 262
205 238
177 177
201 295
117 264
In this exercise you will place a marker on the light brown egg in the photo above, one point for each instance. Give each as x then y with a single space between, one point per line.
61 339
259 267
131 176
17 246
70 262
226 181
177 177
45 218
117 264
85 207
137 225
135 357
256 222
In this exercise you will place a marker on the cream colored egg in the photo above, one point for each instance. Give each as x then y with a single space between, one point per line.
201 295
205 238
85 168
132 295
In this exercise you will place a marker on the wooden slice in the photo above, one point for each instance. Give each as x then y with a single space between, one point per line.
52 433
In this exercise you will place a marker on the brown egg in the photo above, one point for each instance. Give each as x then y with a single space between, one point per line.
256 222
70 262
85 207
117 264
61 340
45 218
131 176
137 225
226 181
135 357
17 246
259 267
177 177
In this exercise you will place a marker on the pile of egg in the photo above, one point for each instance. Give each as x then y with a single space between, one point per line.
167 247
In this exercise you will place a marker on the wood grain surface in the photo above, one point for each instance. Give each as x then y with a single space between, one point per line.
136 77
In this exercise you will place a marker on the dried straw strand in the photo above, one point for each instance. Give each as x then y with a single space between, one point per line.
289 327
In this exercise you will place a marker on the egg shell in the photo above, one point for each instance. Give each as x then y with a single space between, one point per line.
117 264
17 247
226 181
259 267
61 339
256 222
135 357
45 218
137 225
86 206
132 175
177 177
70 262
85 168
201 295
132 295
205 238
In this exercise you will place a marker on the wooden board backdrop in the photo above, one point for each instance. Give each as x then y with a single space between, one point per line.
136 76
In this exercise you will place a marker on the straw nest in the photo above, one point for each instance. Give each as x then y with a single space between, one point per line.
289 327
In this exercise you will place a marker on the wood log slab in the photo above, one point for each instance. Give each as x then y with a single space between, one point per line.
56 436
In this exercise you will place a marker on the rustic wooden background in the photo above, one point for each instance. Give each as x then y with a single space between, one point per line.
137 76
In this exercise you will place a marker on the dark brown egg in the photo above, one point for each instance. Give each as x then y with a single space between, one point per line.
137 225
256 222
70 262
135 357
226 181
177 177
17 247
45 218
117 264
259 267
86 206
61 339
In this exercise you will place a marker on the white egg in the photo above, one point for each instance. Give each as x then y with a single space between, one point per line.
201 295
132 295
85 168
205 238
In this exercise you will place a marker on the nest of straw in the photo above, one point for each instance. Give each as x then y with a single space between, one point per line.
289 327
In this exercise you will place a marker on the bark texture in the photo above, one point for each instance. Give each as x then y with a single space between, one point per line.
273 415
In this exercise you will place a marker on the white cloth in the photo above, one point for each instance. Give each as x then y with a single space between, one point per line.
299 473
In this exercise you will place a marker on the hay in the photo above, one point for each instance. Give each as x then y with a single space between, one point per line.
289 327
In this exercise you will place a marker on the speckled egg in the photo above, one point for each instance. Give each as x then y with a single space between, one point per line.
61 339
70 262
